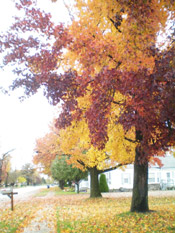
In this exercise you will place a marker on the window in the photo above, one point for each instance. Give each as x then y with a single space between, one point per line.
126 178
151 178
168 175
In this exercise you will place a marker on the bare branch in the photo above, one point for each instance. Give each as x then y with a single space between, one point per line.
112 168
70 15
130 140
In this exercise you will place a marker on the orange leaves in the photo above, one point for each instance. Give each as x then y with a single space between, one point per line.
132 26
110 215
46 151
18 218
77 213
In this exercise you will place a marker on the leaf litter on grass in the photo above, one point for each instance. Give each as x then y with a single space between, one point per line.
78 213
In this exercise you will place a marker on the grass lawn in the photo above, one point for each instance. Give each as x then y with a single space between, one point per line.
54 191
78 213
112 215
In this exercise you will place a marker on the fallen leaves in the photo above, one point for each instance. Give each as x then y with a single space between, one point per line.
78 213
112 215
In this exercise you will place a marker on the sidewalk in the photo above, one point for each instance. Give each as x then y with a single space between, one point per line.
44 222
158 193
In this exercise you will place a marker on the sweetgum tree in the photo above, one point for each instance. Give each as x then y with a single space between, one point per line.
110 48
117 49
74 143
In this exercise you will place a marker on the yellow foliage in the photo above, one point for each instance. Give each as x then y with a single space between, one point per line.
75 140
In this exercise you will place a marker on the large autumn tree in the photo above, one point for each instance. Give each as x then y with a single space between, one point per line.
111 47
73 142
116 45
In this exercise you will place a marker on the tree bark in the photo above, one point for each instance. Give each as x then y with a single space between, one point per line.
94 185
61 184
140 188
77 187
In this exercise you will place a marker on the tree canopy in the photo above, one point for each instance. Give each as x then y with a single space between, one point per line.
62 171
110 55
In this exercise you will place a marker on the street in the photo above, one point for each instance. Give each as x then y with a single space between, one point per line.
23 193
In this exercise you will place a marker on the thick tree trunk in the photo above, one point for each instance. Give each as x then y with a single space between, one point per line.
61 184
94 185
140 187
77 187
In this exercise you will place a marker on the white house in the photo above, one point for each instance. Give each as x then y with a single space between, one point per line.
158 178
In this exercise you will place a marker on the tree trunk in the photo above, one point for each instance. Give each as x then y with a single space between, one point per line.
94 185
77 187
140 188
6 180
61 184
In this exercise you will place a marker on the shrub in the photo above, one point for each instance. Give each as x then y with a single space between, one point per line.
103 184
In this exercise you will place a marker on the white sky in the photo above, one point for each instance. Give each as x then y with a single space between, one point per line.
22 123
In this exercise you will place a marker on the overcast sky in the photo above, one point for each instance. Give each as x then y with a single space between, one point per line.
22 123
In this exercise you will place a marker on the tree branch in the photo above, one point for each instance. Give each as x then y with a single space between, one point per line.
116 23
112 168
118 62
116 102
81 163
130 140
70 15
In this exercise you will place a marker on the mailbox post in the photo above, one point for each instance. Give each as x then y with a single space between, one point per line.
10 194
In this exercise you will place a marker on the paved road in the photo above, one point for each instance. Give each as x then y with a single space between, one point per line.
23 193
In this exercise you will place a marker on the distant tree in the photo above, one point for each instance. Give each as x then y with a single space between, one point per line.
13 177
46 151
22 180
28 172
103 183
4 164
6 170
37 179
63 172
43 180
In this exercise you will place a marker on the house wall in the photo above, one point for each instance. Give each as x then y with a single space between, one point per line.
162 177
120 179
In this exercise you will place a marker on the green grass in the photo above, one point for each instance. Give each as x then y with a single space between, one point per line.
9 228
61 192
54 190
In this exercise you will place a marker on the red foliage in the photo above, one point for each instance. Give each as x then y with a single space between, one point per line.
150 98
